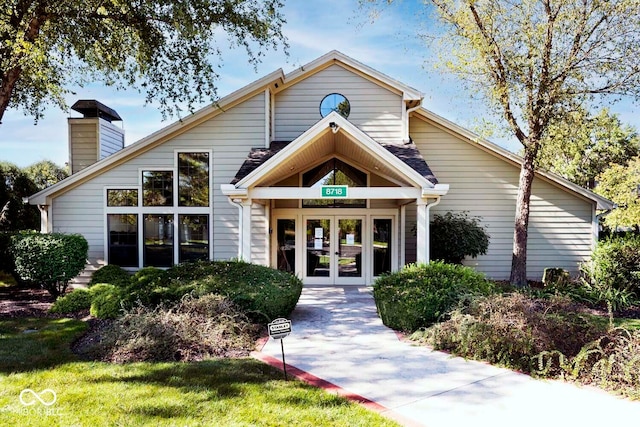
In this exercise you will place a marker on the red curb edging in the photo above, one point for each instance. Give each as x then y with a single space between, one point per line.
319 382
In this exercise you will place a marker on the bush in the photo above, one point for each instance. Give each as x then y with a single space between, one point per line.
455 236
264 293
79 299
111 274
50 260
6 260
106 301
196 328
614 271
419 295
511 330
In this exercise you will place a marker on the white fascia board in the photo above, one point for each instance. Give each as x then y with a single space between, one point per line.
231 191
294 193
437 190
602 202
205 113
322 126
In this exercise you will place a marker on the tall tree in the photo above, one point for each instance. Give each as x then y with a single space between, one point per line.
167 48
581 146
45 173
14 213
621 183
533 60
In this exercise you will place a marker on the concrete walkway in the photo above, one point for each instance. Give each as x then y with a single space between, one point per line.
338 337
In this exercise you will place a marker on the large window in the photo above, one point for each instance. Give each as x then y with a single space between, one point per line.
165 218
194 237
158 240
193 179
122 230
334 172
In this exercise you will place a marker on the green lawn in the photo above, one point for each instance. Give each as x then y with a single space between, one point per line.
229 392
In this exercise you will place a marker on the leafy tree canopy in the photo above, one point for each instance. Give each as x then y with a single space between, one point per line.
167 49
45 173
582 146
621 184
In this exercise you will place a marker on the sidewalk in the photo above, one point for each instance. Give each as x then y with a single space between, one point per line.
338 337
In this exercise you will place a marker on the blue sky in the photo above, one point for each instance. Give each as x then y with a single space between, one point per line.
314 27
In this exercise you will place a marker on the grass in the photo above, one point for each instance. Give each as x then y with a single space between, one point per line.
230 392
6 279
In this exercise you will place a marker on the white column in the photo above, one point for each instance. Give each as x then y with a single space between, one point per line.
422 235
246 230
403 238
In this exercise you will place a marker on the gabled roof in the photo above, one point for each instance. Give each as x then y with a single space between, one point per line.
474 139
275 81
404 161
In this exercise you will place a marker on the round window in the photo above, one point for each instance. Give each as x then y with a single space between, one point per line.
335 102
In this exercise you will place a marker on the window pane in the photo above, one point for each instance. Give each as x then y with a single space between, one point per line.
193 179
381 246
286 230
122 197
158 240
157 188
194 237
123 240
334 172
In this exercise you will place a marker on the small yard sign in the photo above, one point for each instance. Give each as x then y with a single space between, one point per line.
279 328
334 191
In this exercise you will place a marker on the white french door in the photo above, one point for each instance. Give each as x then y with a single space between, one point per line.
334 250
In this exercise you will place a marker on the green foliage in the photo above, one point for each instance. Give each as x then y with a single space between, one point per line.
614 271
106 301
111 274
79 299
196 328
6 261
620 183
455 236
263 292
15 215
555 277
45 173
50 260
152 286
512 329
419 295
580 146
49 46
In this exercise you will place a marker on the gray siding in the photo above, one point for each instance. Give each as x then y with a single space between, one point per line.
111 139
230 136
259 236
560 229
374 109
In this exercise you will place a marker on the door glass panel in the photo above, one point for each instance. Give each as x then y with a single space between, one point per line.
194 237
350 248
381 246
318 247
286 257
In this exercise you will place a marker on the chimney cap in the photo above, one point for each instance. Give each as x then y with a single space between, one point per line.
93 108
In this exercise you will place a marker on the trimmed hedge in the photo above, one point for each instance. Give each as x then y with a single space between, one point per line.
419 295
106 301
111 274
79 299
50 260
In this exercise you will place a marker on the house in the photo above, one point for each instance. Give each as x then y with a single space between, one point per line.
331 172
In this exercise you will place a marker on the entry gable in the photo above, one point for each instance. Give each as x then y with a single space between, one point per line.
334 136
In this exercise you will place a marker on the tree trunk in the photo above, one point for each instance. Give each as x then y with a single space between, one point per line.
520 232
7 85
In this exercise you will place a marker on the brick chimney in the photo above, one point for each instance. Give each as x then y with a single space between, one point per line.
93 137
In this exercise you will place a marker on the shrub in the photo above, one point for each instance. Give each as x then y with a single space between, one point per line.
79 299
511 330
614 271
106 301
264 293
196 328
50 260
455 236
111 274
419 295
6 260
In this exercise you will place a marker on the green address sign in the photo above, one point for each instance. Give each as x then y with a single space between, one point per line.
334 191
